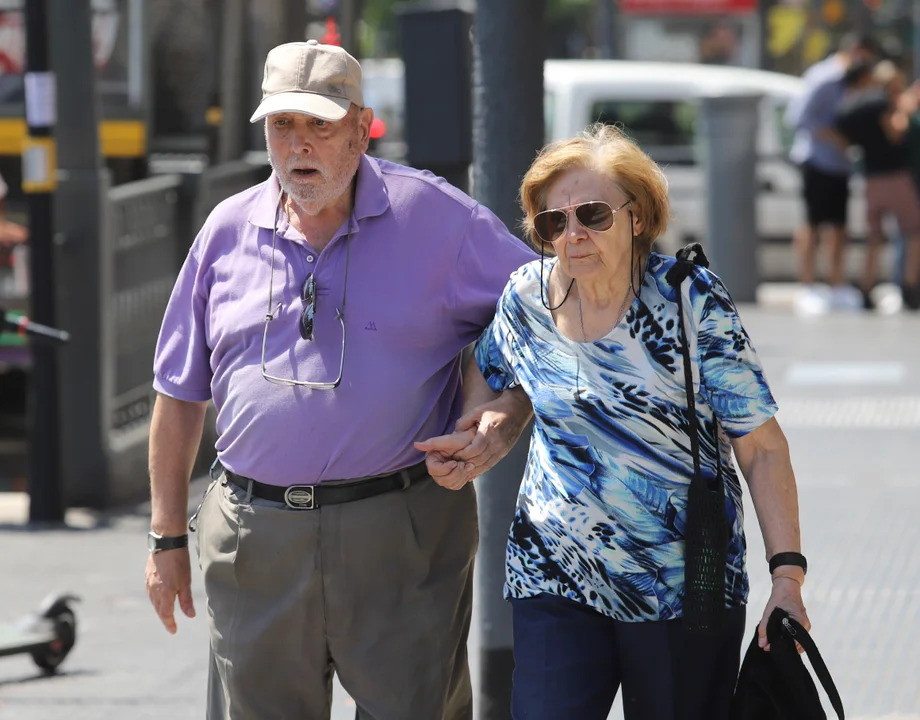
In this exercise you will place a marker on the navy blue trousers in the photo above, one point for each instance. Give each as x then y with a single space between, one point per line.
571 660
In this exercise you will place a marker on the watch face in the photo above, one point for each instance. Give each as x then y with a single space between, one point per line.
152 541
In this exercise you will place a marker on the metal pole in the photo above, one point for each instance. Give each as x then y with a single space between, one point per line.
916 39
729 127
39 181
606 28
268 23
86 367
349 12
232 82
437 53
507 132
214 112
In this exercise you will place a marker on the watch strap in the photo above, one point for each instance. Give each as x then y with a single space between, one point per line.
158 543
789 558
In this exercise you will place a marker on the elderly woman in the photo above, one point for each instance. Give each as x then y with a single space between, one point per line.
596 555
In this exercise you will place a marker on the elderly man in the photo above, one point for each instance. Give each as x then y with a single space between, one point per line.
324 312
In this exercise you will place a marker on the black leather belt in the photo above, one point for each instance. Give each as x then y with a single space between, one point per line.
311 497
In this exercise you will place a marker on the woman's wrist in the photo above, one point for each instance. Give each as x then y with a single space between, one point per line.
800 580
791 558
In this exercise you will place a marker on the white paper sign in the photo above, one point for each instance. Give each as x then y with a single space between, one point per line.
41 99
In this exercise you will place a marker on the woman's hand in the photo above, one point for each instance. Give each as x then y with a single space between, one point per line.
787 594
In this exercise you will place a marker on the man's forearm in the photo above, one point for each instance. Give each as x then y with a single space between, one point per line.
476 390
175 434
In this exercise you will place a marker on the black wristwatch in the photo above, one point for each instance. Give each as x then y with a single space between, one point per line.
157 543
789 558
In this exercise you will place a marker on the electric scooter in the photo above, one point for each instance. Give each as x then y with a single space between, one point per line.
48 634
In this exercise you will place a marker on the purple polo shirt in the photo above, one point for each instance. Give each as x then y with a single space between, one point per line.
426 265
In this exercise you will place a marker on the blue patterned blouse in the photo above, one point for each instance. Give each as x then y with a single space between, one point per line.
601 510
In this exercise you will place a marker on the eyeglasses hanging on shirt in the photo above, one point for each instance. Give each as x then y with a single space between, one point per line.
308 295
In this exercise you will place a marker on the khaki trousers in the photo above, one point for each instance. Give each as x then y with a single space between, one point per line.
378 591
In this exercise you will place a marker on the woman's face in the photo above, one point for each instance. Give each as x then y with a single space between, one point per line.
583 252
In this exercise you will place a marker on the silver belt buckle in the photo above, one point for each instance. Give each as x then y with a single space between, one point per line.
299 497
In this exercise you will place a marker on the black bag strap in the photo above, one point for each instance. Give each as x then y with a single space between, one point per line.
706 532
798 633
690 257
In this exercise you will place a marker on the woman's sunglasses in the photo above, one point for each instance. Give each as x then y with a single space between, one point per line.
594 215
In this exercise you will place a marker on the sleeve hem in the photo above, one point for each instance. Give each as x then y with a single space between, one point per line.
736 431
171 389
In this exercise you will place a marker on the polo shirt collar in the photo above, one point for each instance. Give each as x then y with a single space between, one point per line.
371 198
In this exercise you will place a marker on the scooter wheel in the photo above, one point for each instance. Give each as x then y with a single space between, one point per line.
65 635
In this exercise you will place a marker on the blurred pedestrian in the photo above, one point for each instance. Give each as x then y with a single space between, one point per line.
597 555
909 102
872 117
11 233
324 312
820 152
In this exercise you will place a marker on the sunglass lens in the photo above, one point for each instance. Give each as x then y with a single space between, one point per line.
306 292
308 295
595 216
549 224
306 323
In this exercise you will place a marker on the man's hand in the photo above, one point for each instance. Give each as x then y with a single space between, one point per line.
481 439
169 576
440 453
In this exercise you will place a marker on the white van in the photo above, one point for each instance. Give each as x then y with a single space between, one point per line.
658 104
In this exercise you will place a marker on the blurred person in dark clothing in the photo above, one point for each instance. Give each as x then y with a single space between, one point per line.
909 102
873 118
819 151
11 234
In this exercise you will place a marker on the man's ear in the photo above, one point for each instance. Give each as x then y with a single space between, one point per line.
365 118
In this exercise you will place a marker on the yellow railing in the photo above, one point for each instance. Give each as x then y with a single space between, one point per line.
117 138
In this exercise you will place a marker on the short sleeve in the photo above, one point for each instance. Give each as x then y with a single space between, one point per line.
181 366
488 254
4 189
810 110
732 377
496 349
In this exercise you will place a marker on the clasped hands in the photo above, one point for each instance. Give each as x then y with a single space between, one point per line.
481 438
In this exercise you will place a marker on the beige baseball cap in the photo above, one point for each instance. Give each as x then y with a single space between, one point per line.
311 78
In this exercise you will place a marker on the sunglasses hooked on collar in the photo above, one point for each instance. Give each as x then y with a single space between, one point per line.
307 319
595 215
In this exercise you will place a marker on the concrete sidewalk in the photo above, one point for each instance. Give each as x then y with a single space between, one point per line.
849 391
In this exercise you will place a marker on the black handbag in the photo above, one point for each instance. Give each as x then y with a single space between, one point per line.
776 685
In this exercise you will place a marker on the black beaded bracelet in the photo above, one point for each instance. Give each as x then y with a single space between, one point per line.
788 558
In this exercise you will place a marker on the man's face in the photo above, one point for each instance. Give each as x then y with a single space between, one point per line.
315 160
